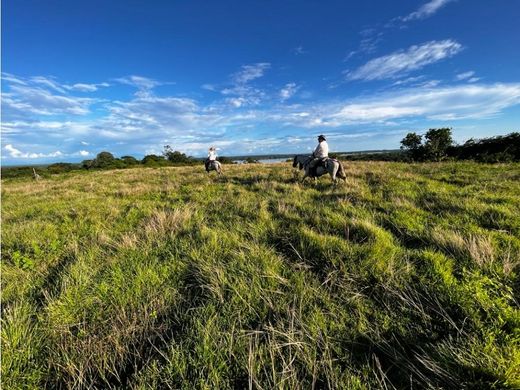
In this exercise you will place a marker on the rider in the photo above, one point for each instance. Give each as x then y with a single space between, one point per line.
320 154
212 156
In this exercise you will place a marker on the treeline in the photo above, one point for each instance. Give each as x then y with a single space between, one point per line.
106 160
438 145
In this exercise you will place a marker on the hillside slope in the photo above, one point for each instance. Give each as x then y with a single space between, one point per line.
405 276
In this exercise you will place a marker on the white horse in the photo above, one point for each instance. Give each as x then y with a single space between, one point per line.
214 166
331 166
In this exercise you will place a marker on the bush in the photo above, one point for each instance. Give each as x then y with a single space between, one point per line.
129 160
103 160
152 160
502 148
177 158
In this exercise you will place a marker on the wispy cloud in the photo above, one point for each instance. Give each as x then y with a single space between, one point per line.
299 50
288 91
24 99
143 123
426 10
447 103
241 93
83 87
402 62
250 72
139 82
464 76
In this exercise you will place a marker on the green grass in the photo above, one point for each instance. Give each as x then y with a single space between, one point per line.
405 276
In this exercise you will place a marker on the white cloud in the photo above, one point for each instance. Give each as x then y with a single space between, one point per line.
402 62
251 72
459 102
15 153
138 81
288 91
473 79
12 79
234 121
426 10
241 93
299 50
48 82
408 80
83 87
464 76
23 99
84 153
209 87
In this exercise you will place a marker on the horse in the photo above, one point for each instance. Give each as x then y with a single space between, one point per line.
331 166
214 165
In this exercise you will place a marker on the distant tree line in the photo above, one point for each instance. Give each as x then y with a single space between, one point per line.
438 145
106 160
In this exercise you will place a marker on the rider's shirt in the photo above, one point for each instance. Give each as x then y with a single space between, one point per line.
322 150
212 155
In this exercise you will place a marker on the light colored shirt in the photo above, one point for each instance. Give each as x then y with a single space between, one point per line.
212 155
322 150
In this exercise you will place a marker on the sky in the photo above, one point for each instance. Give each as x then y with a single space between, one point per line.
251 77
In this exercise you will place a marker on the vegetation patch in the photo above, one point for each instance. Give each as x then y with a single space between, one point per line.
405 276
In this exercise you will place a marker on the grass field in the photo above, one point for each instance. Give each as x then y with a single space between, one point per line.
405 276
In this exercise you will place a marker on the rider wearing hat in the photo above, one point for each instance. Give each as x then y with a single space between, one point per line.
212 156
321 153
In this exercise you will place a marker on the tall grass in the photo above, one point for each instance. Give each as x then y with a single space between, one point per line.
406 276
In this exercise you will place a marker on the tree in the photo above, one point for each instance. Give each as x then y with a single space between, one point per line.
226 160
437 143
154 160
103 160
176 157
129 160
412 143
87 164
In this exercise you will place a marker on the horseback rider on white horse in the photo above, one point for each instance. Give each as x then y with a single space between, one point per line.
319 163
212 156
211 163
320 154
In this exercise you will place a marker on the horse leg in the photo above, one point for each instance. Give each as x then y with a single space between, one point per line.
334 172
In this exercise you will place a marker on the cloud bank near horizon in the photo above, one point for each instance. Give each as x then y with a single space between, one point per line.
39 109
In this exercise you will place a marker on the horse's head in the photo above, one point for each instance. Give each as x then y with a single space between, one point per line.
295 161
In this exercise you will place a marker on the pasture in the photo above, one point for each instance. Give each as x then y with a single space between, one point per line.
405 276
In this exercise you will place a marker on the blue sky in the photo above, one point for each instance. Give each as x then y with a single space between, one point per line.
252 77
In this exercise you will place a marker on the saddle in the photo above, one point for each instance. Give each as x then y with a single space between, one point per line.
323 162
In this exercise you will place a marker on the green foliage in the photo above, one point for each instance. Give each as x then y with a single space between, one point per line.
104 160
437 143
405 276
225 160
412 143
129 160
502 148
177 158
58 168
152 160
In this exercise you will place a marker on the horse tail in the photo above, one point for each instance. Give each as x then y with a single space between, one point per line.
341 171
